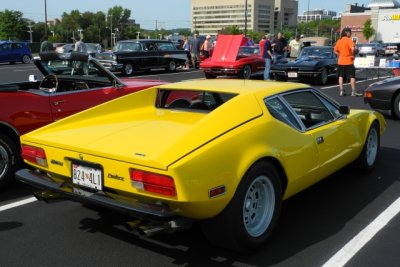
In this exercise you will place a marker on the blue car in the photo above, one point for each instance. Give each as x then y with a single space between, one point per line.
15 52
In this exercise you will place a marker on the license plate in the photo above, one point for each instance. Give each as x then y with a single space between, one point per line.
292 74
87 176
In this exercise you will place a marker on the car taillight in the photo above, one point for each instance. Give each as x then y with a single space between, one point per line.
153 182
367 94
34 155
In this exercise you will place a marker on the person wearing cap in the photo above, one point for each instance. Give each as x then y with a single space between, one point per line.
344 49
295 47
268 55
206 47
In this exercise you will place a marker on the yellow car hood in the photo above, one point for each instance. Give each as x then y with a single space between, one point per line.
144 135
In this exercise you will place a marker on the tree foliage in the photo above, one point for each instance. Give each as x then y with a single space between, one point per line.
368 30
13 26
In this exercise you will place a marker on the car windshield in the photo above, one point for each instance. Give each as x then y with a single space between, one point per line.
248 50
71 64
128 46
316 52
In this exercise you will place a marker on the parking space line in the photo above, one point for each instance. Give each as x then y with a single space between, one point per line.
353 246
18 203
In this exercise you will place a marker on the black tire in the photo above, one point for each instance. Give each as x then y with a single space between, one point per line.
396 107
10 159
26 59
367 159
246 72
128 69
209 76
323 77
171 66
242 226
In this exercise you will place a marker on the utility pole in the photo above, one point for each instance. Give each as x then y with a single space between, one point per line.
45 18
111 34
30 30
245 18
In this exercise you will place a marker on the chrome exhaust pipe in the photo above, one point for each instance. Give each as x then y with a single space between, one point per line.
48 196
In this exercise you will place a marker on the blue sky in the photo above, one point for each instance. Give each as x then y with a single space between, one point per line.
168 13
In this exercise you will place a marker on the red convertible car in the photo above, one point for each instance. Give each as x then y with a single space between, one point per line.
72 82
231 57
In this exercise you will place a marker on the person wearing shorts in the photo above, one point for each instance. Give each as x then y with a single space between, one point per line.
344 49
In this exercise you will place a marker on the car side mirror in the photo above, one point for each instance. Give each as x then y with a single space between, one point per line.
344 110
32 78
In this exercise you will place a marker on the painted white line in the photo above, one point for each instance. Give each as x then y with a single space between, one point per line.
27 69
353 246
18 203
363 81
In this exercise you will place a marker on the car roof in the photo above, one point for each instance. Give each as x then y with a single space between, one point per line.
235 86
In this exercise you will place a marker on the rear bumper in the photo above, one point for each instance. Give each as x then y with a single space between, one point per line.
222 71
300 74
136 208
383 106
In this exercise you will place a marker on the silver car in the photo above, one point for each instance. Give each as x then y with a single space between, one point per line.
373 49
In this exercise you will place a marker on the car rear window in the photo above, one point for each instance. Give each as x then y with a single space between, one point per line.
191 100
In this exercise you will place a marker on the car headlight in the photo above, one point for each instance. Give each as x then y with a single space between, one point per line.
114 57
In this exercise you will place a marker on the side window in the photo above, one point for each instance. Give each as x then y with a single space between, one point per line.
332 108
150 47
166 46
16 46
281 112
309 108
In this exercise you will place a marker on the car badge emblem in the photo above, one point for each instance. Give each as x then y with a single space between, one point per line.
81 156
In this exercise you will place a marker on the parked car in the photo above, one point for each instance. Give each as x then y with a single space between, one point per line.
231 58
315 63
14 52
65 48
93 48
224 152
72 82
130 56
384 96
371 49
391 48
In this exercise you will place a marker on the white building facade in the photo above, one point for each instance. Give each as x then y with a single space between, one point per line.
210 16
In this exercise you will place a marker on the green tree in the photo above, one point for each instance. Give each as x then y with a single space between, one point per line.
368 30
13 26
234 29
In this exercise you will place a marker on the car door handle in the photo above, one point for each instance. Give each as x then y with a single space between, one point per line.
56 103
320 140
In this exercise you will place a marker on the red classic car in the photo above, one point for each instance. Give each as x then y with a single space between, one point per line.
72 82
231 57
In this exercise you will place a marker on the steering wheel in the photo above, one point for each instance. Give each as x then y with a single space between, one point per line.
49 83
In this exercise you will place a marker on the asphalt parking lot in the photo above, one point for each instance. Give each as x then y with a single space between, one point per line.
347 219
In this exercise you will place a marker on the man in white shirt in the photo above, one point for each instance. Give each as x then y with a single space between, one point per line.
295 47
79 45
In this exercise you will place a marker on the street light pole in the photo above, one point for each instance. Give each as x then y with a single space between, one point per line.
111 34
308 14
245 18
45 18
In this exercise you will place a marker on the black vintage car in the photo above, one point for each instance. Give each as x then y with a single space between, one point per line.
132 55
384 96
315 63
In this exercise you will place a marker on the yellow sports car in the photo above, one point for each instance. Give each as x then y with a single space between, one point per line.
226 152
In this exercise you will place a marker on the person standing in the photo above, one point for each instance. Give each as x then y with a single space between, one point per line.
195 50
261 44
46 46
206 47
279 46
267 55
186 47
80 46
295 47
344 49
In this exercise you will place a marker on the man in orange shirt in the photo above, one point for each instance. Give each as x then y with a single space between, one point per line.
344 49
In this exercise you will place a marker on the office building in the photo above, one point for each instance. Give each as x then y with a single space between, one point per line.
210 16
